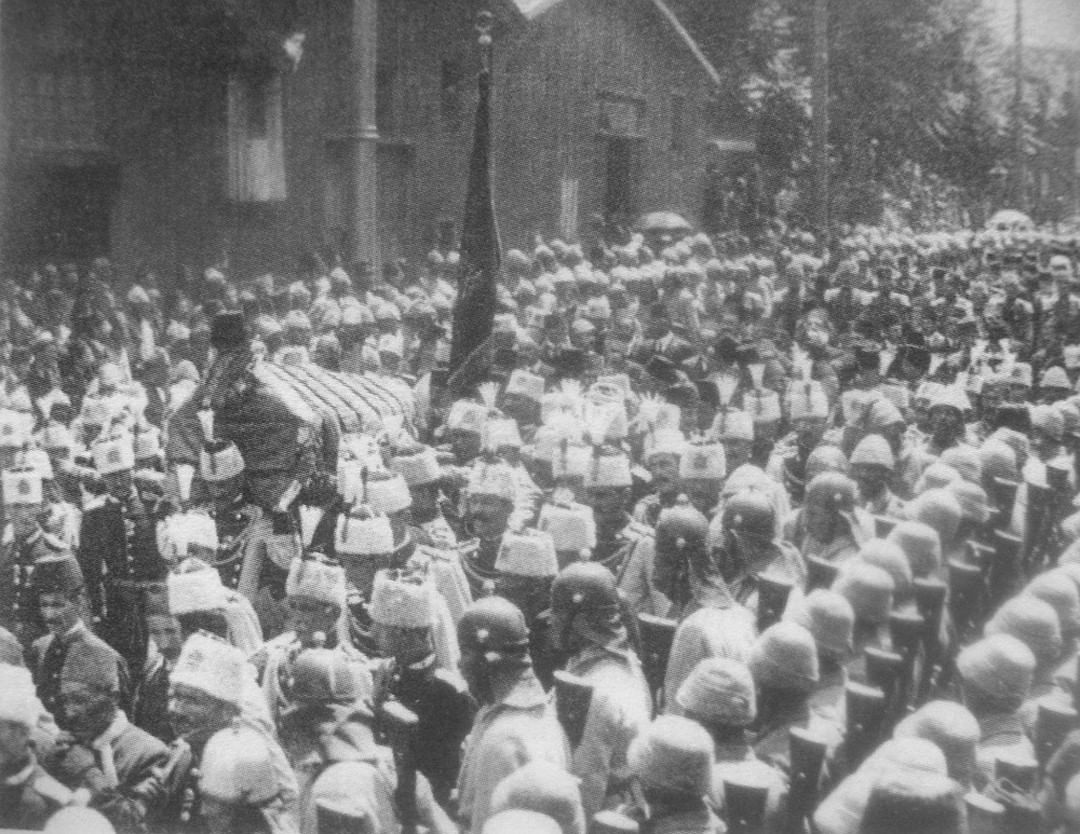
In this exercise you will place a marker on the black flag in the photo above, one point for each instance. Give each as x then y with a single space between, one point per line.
474 311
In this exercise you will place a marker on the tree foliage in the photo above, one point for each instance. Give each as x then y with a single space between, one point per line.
908 81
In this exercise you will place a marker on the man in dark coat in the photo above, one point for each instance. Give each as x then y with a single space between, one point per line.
58 586
101 752
118 551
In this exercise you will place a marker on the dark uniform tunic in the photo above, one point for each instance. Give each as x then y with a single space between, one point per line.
445 712
118 555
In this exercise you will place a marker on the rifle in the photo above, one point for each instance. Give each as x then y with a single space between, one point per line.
966 589
981 553
657 635
883 525
985 816
1007 570
906 631
866 707
1018 769
772 599
885 671
807 756
398 724
1039 518
573 697
611 822
1052 724
744 807
1003 492
930 597
819 573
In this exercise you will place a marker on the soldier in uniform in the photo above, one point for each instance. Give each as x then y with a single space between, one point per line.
101 752
514 725
118 551
221 468
489 504
587 623
419 466
622 544
750 549
206 698
315 597
150 700
28 794
59 587
403 610
720 695
808 411
872 467
25 544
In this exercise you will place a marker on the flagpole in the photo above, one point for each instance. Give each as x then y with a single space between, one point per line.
484 21
474 309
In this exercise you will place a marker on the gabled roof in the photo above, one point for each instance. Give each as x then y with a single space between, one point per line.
532 9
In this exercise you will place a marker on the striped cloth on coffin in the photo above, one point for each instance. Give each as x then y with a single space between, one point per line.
356 403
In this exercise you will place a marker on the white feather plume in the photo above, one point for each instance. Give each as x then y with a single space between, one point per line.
598 419
206 421
488 392
726 386
648 411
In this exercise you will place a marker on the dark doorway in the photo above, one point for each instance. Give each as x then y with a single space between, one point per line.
60 212
620 203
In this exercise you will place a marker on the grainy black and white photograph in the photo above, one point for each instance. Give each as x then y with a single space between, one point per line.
540 416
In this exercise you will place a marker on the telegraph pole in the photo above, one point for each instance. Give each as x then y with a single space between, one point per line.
363 135
819 102
1019 151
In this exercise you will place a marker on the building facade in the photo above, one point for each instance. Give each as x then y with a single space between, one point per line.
163 133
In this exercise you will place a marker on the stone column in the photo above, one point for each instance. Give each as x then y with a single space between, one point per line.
363 133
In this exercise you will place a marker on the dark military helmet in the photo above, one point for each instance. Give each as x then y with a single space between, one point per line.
681 522
750 513
493 624
322 675
584 586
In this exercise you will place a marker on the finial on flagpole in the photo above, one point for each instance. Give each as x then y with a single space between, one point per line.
485 21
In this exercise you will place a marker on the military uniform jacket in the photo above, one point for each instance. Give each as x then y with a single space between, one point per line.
150 701
621 707
273 662
18 605
505 736
29 797
444 567
739 765
635 577
708 632
444 708
179 775
118 542
232 522
128 760
49 655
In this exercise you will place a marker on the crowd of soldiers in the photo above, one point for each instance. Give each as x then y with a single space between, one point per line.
708 535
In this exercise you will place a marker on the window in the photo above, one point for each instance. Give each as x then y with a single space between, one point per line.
678 122
256 140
